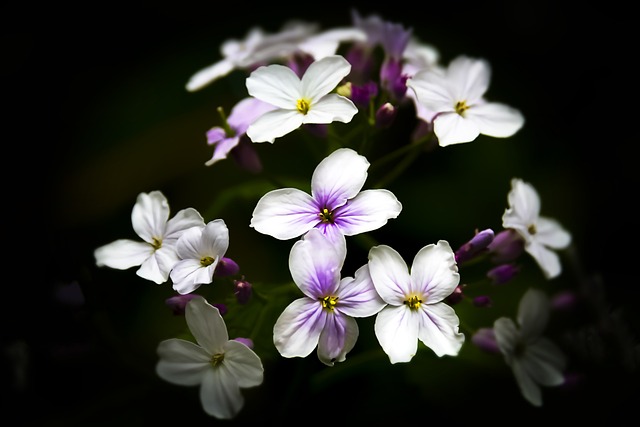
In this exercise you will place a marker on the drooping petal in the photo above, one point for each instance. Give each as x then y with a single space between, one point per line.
285 213
397 331
222 149
122 254
434 272
339 177
188 274
528 387
496 120
338 337
548 260
220 394
243 363
206 325
275 84
150 269
331 108
323 76
369 210
215 238
315 263
357 296
274 124
181 221
182 362
390 274
550 233
439 329
451 128
297 329
149 216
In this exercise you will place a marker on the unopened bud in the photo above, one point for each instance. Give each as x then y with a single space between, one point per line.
476 246
456 296
226 267
482 301
178 303
506 246
502 273
242 290
385 115
485 339
246 341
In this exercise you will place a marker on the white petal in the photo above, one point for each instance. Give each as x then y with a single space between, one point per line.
439 329
206 325
209 74
389 274
323 76
357 296
545 362
507 335
182 362
122 254
189 245
397 331
469 78
243 363
338 337
533 313
451 128
183 220
274 124
315 263
275 84
220 394
528 387
548 260
215 239
150 269
431 91
496 120
149 216
285 213
189 274
331 108
339 177
298 328
524 206
369 210
434 273
550 233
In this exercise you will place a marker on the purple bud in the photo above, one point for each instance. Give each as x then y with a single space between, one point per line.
502 273
485 339
362 94
482 301
385 115
178 303
242 290
477 245
226 267
456 296
221 308
246 341
506 246
564 300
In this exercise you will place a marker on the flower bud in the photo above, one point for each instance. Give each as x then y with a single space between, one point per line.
178 303
482 301
226 267
246 341
361 95
502 273
485 339
385 115
477 245
506 246
242 290
456 296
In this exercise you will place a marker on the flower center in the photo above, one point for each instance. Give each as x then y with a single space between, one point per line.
413 302
216 359
303 105
326 215
206 261
461 107
532 229
157 243
329 302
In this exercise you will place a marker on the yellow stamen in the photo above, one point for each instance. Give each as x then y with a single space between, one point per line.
303 105
413 302
206 261
216 359
329 302
461 107
532 229
157 243
326 215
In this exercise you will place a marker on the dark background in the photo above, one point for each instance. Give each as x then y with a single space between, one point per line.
96 112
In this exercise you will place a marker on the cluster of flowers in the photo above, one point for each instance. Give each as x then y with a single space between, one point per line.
302 80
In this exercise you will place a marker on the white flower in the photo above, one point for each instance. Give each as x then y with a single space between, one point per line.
336 204
542 236
200 250
156 254
220 366
299 101
456 97
415 309
534 359
324 316
257 47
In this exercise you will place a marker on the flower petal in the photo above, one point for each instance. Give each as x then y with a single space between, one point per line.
243 363
397 331
533 314
528 387
451 128
507 336
285 213
338 338
548 260
357 296
496 120
297 329
220 394
187 275
123 254
206 325
182 362
157 267
275 84
149 216
545 362
468 78
207 75
550 233
389 274
331 108
274 124
339 177
434 273
181 221
369 210
323 76
439 329
215 239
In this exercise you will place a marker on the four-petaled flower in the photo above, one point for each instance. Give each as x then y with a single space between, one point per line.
415 307
156 254
324 317
219 365
533 358
336 204
299 101
542 236
456 97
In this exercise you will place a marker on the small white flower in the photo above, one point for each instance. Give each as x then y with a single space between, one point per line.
156 254
534 359
456 97
221 367
542 236
299 101
200 250
415 301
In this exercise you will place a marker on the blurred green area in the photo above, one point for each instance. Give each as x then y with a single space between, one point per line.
109 117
